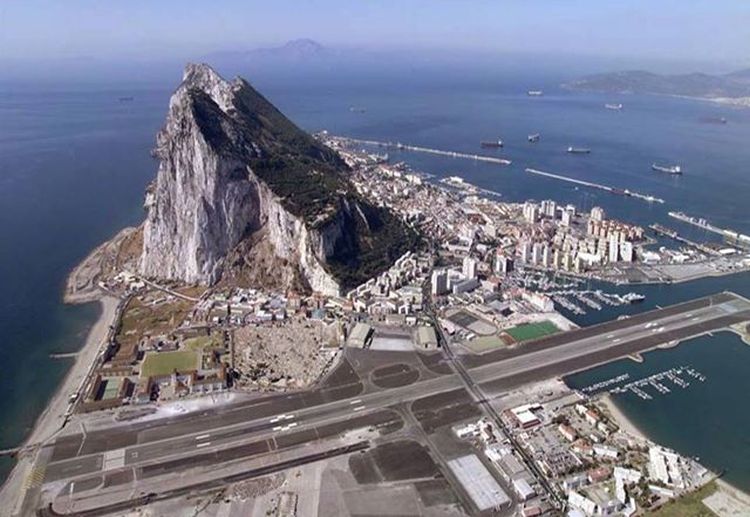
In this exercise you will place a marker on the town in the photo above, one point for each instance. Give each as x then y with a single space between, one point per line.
488 277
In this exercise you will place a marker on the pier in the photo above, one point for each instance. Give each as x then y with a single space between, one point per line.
440 152
590 184
732 236
64 355
672 234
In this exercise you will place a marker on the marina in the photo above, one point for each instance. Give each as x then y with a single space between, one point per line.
677 377
591 299
612 190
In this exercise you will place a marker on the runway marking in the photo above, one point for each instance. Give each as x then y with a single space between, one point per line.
277 428
288 417
696 318
357 401
275 419
293 424
35 477
202 437
610 336
202 444
617 340
359 408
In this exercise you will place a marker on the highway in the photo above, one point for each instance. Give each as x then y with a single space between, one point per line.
344 402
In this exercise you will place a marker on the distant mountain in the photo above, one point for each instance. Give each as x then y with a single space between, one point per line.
295 50
733 85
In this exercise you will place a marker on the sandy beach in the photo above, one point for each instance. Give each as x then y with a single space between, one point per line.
619 417
51 420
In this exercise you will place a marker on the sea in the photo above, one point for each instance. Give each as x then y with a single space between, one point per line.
75 161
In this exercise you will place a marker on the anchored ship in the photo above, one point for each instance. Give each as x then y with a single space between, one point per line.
669 169
535 93
616 107
491 143
578 150
534 137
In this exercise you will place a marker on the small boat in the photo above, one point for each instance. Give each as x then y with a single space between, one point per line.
633 298
535 93
616 107
669 169
534 138
491 143
578 150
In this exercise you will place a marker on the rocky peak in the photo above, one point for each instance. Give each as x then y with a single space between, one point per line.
202 77
236 176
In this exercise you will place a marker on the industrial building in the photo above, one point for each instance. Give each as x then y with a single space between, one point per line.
477 481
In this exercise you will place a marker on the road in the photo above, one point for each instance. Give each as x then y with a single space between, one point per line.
207 439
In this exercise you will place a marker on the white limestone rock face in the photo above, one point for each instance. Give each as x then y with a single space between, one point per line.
206 198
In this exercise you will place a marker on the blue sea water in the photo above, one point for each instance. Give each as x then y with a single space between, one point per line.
74 163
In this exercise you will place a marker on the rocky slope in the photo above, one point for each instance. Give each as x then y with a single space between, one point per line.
235 176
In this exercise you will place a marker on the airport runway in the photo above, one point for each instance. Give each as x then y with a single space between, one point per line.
203 439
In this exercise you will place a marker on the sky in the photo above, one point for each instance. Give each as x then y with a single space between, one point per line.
699 31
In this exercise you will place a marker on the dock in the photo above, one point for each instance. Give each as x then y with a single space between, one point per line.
736 238
674 235
440 152
590 184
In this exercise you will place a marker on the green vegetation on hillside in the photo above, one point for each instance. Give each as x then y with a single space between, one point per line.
309 178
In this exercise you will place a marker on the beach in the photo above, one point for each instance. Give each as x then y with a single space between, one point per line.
619 417
53 418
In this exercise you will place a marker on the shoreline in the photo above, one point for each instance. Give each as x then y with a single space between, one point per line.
626 425
623 422
85 357
51 420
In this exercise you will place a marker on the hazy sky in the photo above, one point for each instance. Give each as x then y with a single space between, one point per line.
700 30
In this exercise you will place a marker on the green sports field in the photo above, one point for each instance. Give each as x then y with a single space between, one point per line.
164 363
528 331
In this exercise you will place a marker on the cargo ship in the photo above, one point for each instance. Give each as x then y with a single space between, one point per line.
491 143
669 169
535 93
578 150
534 137
616 107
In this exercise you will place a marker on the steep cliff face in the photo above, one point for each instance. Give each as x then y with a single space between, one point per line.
234 170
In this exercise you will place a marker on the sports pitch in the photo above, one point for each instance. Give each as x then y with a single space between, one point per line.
164 363
528 331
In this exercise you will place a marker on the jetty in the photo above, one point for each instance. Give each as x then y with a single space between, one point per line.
674 235
419 149
736 238
590 184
